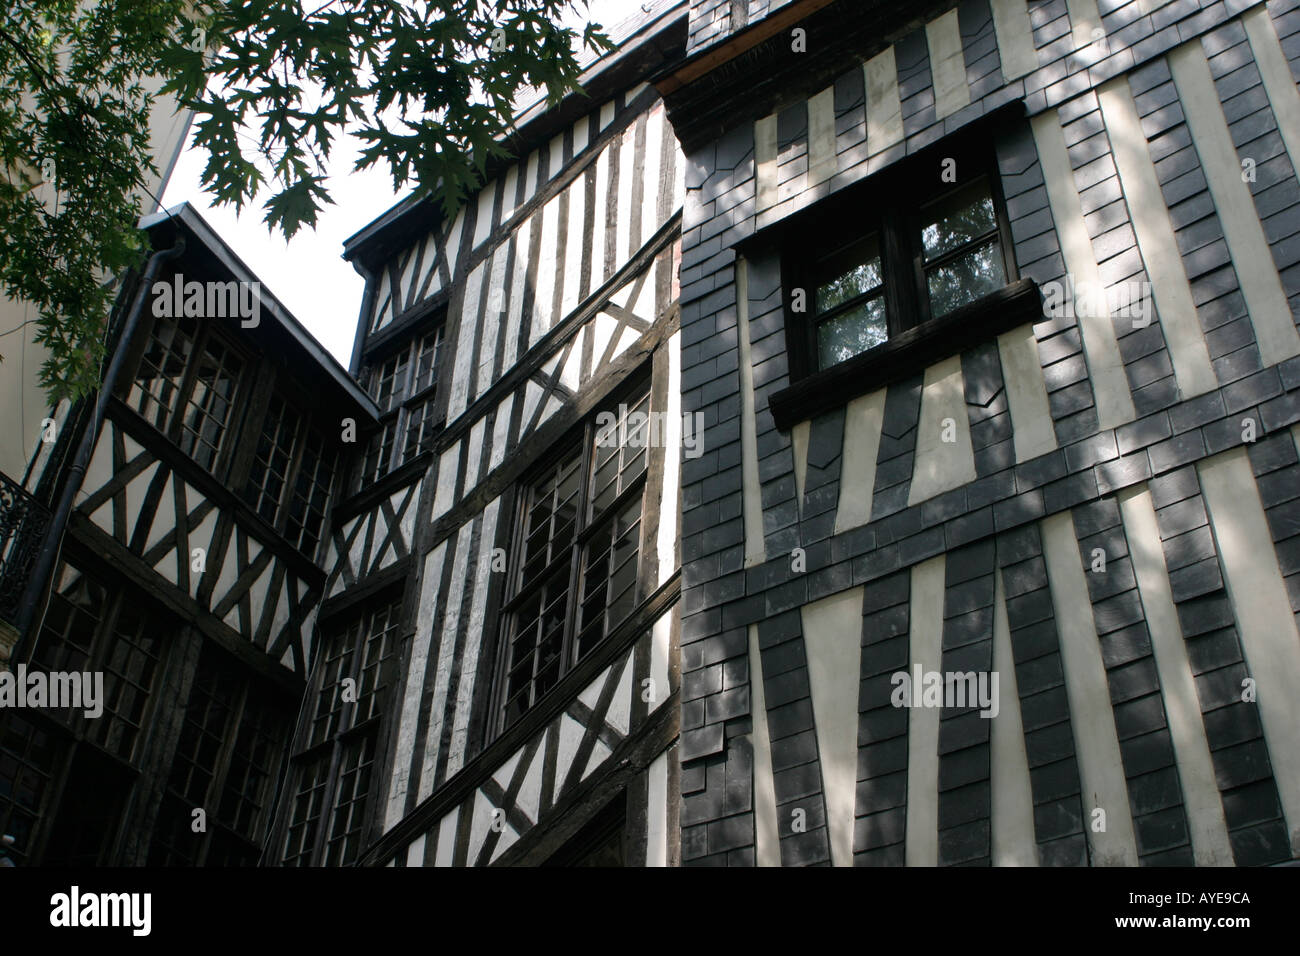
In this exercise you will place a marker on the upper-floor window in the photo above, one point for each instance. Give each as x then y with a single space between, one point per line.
404 384
335 770
289 480
92 628
227 761
577 554
929 239
185 386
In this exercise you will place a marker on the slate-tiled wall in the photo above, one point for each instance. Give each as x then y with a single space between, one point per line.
992 522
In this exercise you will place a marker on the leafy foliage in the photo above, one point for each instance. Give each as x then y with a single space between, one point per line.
426 85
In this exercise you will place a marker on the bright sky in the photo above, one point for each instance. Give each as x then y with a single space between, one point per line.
308 274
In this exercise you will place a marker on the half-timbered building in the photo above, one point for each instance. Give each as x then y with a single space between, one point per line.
991 308
188 575
848 433
421 611
510 532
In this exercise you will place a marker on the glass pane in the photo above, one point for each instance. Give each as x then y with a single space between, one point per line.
271 462
305 811
852 271
157 385
965 278
355 766
958 218
134 659
619 456
536 644
388 382
208 407
852 332
310 496
426 365
29 760
552 515
609 573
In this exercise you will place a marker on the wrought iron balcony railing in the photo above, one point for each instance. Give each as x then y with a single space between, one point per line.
23 521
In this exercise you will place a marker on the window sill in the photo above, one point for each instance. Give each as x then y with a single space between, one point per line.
907 353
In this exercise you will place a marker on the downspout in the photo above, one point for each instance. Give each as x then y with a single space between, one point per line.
37 581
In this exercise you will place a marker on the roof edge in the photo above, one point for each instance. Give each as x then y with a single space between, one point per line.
619 69
186 216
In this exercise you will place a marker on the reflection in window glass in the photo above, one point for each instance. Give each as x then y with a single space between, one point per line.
858 280
962 216
852 332
965 278
963 256
850 303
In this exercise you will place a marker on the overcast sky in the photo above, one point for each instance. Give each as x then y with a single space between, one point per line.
308 274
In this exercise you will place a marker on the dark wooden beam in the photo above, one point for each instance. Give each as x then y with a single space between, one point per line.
753 76
619 771
437 804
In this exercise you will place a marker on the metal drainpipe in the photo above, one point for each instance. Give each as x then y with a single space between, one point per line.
37 580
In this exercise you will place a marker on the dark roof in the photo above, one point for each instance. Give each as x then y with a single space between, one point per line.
202 238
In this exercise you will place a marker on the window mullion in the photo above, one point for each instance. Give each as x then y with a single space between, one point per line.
298 447
221 766
401 422
328 798
909 228
581 524
958 251
192 362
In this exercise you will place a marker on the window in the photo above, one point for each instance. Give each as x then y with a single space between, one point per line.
131 662
292 470
71 785
404 385
577 554
185 386
327 812
226 762
29 759
899 264
66 778
89 628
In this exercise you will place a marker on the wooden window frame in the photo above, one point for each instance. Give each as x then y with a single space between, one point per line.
397 417
104 638
225 458
583 434
895 217
249 694
304 431
262 381
307 753
921 338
